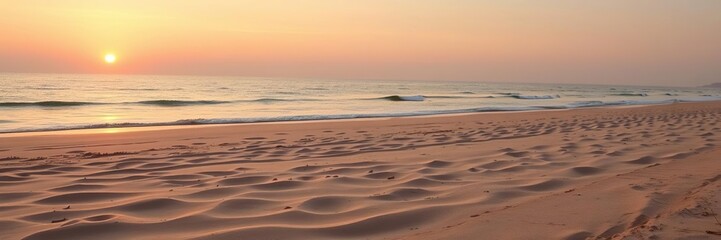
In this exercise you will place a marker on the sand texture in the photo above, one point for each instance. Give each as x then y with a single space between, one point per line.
598 173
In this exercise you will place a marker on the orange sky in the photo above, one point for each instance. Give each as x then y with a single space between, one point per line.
659 42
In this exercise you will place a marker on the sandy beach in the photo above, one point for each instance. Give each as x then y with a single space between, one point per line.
640 172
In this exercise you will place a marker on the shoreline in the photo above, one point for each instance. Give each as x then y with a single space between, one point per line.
638 171
126 127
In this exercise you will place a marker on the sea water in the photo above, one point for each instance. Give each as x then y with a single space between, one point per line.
44 102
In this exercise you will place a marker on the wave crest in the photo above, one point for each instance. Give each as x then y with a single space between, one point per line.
173 103
534 97
46 104
398 98
632 94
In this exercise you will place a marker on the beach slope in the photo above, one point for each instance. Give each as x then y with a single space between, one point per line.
600 173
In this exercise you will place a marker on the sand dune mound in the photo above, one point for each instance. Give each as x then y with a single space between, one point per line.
585 171
84 197
545 185
329 204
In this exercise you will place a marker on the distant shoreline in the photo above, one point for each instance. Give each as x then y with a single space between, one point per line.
301 119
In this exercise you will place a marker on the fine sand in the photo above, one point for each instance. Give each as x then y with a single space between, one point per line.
622 173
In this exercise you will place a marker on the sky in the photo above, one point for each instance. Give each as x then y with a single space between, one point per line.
639 42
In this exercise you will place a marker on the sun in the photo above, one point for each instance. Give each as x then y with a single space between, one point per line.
110 58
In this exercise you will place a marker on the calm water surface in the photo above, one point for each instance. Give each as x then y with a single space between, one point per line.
40 102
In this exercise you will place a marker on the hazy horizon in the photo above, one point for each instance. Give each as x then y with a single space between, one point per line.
354 79
654 43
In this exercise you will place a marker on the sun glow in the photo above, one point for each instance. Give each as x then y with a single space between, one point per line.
110 58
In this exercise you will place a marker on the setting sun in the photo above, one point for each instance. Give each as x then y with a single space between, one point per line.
110 58
371 119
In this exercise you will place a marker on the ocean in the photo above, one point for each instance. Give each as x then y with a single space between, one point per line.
46 102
